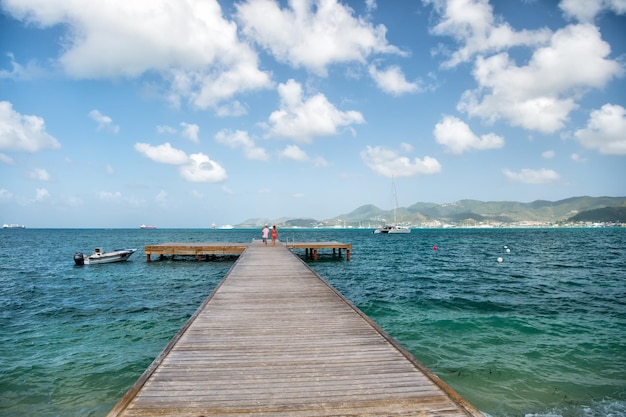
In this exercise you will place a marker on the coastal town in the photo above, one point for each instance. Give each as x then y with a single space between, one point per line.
572 212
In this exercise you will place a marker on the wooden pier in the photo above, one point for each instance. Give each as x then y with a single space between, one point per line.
274 339
204 249
312 248
199 249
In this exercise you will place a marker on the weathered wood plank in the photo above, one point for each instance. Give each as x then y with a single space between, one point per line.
229 248
274 339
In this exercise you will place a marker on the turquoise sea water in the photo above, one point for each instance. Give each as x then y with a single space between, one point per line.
541 334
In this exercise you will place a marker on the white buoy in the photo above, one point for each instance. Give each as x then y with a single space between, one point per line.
508 250
500 260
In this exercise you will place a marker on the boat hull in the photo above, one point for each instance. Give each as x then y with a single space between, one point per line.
392 230
13 226
399 230
98 257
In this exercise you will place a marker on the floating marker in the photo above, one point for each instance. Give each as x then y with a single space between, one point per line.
435 247
508 250
500 260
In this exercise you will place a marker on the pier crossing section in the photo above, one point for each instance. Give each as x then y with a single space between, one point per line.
274 339
203 250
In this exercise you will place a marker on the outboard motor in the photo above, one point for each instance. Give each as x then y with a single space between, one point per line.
79 258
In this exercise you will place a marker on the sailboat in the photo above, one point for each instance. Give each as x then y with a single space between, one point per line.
394 228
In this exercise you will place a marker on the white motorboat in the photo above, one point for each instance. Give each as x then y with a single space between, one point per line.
392 229
100 257
13 226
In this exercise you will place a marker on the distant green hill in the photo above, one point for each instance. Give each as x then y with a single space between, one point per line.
593 209
494 211
481 211
601 215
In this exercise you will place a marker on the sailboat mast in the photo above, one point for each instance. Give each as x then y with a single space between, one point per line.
395 200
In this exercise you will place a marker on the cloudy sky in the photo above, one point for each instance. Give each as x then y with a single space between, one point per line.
186 113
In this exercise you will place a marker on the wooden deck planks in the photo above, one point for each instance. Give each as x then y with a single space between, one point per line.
275 340
313 247
194 248
201 249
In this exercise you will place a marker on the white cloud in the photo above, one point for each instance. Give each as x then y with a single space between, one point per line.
529 176
41 194
587 10
161 197
163 154
457 136
202 169
227 190
577 158
194 168
312 34
23 132
6 159
234 108
108 195
163 129
540 95
392 81
390 164
188 42
605 131
190 131
320 162
239 139
547 154
104 122
584 11
39 174
370 5
301 120
210 88
294 153
5 194
20 72
472 24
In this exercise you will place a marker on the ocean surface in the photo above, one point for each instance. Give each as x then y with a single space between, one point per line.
542 333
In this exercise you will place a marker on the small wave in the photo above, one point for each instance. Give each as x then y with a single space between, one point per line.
603 408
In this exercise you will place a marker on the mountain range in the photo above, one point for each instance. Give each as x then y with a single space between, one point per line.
470 213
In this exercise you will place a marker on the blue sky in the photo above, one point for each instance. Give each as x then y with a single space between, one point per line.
188 113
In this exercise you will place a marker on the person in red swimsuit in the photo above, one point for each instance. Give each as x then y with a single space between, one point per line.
274 235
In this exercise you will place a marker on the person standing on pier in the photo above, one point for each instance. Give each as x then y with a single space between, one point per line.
274 235
265 233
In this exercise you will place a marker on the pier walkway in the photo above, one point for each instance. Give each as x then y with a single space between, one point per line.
274 339
202 250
